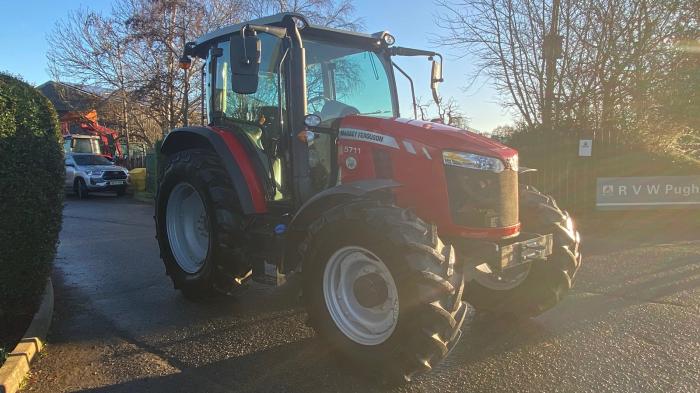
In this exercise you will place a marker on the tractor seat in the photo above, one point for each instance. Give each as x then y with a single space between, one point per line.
257 135
254 134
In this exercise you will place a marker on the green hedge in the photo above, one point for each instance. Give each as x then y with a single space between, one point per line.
31 196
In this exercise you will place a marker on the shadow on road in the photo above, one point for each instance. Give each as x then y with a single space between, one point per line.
257 342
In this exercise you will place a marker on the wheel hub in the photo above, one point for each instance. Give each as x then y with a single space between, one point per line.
187 227
370 290
361 295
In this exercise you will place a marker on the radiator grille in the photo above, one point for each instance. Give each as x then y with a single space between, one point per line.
482 199
114 175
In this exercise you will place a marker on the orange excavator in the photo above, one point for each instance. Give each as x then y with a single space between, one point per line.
75 125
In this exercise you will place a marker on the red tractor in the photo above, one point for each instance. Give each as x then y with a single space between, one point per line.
390 226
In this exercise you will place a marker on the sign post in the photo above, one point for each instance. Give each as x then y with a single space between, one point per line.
585 147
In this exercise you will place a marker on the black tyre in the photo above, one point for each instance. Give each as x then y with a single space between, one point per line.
121 191
537 287
80 188
205 261
405 301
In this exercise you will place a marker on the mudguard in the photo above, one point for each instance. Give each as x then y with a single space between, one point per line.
309 212
234 156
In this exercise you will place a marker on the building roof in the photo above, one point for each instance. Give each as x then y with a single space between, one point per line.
67 97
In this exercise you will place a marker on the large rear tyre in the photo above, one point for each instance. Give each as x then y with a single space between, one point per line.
532 289
199 226
382 288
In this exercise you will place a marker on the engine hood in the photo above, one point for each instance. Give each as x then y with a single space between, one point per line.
102 168
435 135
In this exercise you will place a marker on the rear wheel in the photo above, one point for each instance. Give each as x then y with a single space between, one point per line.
199 226
382 288
531 289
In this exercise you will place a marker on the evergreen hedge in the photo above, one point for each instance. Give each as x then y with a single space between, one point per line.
31 197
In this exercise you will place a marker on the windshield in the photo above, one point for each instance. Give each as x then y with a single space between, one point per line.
91 160
344 81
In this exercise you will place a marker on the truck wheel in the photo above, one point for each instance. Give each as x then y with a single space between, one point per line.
534 288
199 225
80 188
382 288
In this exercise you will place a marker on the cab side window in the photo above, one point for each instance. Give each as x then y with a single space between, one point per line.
256 112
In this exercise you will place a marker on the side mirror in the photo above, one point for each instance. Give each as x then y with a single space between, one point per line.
245 62
436 78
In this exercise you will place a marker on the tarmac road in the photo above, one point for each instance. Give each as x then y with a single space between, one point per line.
631 324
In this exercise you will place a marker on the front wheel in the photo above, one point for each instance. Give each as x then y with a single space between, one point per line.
382 288
80 188
530 289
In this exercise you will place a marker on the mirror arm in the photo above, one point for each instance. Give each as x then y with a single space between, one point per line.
401 51
413 92
279 32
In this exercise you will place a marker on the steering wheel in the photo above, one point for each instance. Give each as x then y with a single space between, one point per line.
317 98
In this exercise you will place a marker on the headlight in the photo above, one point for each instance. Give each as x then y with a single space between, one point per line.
93 173
570 226
512 163
472 161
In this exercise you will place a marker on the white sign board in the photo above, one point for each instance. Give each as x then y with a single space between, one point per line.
585 147
615 193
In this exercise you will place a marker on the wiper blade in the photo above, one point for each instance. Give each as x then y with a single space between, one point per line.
377 112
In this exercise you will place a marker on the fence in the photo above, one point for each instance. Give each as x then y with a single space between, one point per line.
561 172
135 162
571 179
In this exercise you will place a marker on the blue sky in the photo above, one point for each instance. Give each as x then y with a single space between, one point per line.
26 24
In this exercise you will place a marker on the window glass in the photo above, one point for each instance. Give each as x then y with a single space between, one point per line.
85 145
91 160
249 108
342 81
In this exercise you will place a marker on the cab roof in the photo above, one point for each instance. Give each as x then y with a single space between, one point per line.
278 20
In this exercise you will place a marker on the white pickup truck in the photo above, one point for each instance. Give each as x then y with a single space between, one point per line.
87 173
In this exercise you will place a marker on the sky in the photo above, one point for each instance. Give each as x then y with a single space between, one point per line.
27 23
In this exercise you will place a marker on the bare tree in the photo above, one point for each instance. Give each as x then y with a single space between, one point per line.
332 13
447 111
615 57
88 42
134 50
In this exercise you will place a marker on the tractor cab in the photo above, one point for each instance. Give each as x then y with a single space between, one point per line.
276 79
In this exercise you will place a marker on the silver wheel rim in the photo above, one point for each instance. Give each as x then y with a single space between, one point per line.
188 227
483 275
363 325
